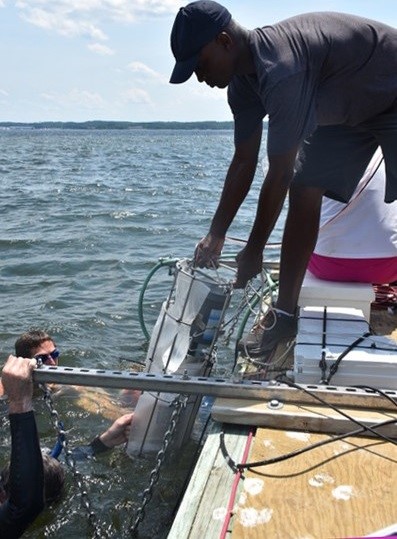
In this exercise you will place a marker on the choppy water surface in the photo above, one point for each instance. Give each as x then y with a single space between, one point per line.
85 215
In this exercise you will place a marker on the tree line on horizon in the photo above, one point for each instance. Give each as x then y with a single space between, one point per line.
103 124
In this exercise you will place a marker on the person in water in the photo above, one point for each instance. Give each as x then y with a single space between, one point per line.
328 84
31 480
23 501
39 345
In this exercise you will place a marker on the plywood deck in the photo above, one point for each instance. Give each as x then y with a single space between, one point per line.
344 489
203 509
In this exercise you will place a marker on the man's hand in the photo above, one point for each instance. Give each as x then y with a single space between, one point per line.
119 432
208 251
249 264
17 381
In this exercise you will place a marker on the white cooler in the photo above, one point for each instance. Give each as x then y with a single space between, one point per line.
372 362
336 294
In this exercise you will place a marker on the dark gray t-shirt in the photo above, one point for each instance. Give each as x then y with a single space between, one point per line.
315 69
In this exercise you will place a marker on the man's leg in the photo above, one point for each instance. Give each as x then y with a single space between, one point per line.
330 162
384 129
300 235
299 240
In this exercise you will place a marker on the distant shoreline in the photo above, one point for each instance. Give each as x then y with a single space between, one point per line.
103 124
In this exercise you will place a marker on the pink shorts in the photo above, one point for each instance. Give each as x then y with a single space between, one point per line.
362 270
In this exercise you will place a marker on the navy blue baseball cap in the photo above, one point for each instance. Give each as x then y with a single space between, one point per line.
195 25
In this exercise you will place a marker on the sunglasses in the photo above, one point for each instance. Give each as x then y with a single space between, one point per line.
45 357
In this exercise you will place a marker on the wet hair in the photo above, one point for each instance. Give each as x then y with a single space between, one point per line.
54 479
29 341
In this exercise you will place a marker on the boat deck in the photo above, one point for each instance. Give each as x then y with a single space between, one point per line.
345 488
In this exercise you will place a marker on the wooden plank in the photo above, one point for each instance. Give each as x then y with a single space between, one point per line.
344 489
188 509
203 508
300 417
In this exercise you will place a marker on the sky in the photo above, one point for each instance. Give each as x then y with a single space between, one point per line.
81 60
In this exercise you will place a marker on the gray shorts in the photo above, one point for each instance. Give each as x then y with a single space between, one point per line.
335 157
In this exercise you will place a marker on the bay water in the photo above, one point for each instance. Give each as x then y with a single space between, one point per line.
85 215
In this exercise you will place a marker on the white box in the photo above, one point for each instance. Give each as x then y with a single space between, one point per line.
318 292
372 362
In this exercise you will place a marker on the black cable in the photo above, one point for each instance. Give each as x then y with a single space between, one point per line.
323 364
336 409
248 465
363 428
334 367
376 390
226 455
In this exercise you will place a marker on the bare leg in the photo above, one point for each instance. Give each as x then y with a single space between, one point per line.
300 235
299 240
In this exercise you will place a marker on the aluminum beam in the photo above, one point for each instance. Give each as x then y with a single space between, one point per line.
217 387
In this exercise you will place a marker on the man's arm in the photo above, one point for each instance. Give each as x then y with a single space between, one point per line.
237 184
236 187
118 433
270 203
26 496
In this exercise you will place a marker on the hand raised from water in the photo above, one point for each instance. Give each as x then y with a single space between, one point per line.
119 432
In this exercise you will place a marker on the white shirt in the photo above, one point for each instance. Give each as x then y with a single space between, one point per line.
365 227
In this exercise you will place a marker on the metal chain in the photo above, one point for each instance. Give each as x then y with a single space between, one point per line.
246 301
98 531
179 404
234 319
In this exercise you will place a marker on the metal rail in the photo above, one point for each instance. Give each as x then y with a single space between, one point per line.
217 387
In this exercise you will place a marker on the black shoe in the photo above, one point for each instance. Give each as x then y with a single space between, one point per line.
273 328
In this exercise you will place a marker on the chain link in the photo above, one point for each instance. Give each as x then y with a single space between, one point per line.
98 531
263 294
233 320
179 404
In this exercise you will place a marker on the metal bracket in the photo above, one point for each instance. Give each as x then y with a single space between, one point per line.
217 387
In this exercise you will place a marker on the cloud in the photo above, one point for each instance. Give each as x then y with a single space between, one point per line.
137 96
203 91
86 17
3 92
98 48
82 98
59 17
146 72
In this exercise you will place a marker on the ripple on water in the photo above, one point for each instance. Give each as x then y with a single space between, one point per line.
85 216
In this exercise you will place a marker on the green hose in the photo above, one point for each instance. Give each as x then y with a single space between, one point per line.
163 262
169 262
